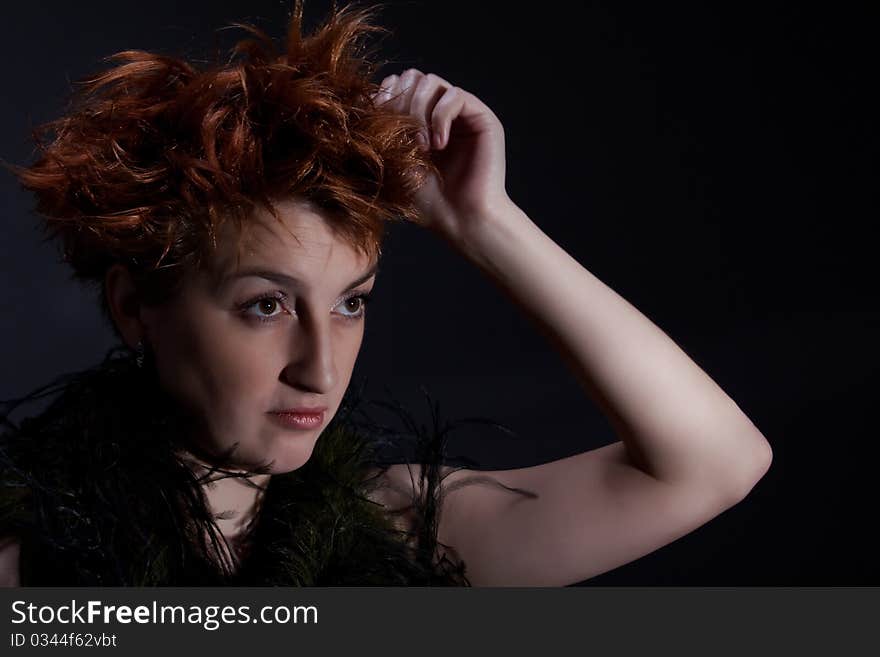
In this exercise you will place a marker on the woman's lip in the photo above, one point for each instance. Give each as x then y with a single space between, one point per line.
300 420
303 410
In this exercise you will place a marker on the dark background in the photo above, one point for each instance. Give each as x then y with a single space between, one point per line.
716 166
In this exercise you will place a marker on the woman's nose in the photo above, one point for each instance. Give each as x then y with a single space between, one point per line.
313 363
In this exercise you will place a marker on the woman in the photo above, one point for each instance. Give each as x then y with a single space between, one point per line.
233 219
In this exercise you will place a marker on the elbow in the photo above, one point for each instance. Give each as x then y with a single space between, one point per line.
753 472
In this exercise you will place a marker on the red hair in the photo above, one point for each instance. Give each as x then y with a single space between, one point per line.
153 153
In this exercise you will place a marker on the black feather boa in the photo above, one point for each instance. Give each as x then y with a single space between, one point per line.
95 490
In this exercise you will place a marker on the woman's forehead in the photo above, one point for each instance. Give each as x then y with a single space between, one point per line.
301 244
298 226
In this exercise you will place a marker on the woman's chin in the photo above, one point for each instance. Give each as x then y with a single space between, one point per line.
289 457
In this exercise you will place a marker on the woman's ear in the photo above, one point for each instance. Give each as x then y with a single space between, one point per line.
125 307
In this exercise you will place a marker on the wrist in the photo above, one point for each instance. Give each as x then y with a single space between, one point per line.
487 224
498 236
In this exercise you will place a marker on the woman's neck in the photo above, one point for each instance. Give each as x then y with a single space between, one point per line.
234 502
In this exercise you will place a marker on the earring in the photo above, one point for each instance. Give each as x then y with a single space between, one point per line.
139 350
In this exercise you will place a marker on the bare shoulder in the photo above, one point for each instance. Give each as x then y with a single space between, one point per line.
10 550
398 486
398 483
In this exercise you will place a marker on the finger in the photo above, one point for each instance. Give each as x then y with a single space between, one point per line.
386 89
429 89
448 107
409 81
407 84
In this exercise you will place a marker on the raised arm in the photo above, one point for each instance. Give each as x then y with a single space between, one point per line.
677 424
686 450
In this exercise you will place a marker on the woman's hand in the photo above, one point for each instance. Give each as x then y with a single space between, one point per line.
466 141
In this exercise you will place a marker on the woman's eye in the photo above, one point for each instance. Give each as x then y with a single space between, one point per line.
355 306
264 308
267 305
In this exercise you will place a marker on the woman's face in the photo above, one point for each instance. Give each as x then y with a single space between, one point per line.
235 345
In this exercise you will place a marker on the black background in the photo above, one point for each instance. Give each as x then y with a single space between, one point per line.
716 166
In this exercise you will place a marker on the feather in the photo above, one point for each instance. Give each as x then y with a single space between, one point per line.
96 490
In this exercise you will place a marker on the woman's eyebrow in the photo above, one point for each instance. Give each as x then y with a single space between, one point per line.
287 279
363 277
